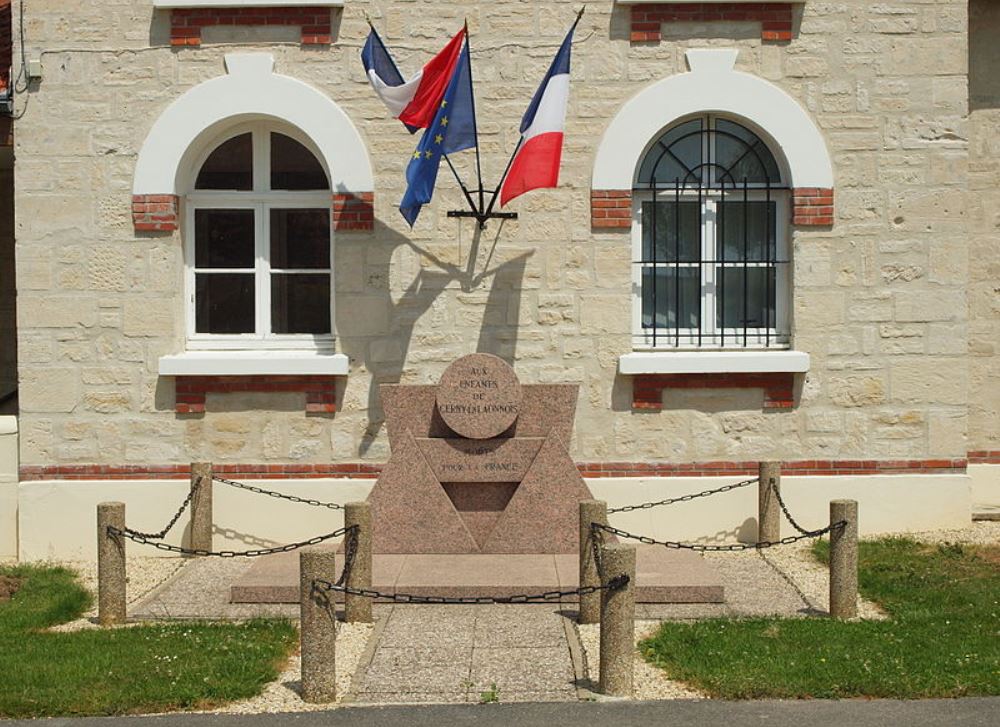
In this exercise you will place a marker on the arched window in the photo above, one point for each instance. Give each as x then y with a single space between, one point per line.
258 243
711 267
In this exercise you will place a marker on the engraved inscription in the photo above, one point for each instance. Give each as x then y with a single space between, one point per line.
479 396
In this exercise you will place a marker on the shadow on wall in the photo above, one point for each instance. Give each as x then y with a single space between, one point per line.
385 354
984 55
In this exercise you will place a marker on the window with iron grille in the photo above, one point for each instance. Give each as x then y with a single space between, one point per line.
710 241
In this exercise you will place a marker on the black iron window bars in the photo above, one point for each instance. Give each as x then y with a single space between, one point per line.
711 265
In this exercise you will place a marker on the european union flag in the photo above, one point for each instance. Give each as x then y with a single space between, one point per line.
453 129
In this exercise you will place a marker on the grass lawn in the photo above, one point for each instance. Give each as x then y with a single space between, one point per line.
942 639
119 671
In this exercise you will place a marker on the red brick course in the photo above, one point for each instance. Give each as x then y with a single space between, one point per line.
611 208
354 212
984 456
319 390
775 18
812 206
647 389
154 212
186 23
365 470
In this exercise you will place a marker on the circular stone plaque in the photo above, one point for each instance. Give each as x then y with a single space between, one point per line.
479 396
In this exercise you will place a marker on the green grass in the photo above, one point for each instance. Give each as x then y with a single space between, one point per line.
942 638
147 668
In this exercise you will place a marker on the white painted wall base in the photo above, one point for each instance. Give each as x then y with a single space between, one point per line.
8 487
57 518
985 484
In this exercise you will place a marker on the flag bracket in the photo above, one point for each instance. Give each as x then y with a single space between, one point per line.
483 217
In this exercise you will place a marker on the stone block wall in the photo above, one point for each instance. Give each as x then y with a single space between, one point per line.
8 290
984 229
881 298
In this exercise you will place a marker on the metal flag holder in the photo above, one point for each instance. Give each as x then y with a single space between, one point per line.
479 210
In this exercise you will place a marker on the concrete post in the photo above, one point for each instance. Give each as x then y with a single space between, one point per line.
591 511
201 506
110 564
359 608
844 559
768 510
317 628
618 622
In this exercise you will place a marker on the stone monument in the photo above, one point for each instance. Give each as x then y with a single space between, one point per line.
479 465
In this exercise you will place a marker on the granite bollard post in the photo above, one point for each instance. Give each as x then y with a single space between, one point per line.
768 510
201 506
110 564
844 559
317 627
358 609
617 621
591 511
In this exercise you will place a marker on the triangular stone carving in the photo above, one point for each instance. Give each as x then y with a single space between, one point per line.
411 512
543 515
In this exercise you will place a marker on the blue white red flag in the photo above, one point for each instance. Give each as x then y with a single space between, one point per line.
452 129
536 165
414 102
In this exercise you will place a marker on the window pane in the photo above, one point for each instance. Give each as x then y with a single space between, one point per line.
294 167
666 300
224 303
300 238
746 231
673 221
746 297
300 303
743 154
230 166
674 156
224 238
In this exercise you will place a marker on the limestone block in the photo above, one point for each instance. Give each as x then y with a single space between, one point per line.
56 311
937 305
856 391
49 389
150 317
932 380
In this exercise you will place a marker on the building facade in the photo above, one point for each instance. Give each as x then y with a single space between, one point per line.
775 237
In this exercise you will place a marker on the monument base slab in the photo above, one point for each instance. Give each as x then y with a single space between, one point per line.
663 576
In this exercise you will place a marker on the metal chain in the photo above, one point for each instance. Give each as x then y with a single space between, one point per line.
684 498
788 516
350 550
734 547
596 541
279 495
142 540
163 533
615 584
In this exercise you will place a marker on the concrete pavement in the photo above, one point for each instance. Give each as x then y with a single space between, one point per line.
709 713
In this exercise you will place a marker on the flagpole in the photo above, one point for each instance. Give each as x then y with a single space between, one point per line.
510 162
475 126
465 190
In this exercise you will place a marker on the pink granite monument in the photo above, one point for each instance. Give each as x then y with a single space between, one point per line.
479 465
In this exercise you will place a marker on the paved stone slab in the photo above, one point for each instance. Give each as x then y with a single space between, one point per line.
664 576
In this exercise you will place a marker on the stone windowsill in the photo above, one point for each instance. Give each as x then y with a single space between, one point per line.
171 4
689 2
254 363
712 362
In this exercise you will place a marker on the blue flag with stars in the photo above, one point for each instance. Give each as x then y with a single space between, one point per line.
453 129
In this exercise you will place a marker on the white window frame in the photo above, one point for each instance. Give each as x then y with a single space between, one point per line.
262 199
666 339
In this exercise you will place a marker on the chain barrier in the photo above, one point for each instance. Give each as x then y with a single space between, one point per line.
596 542
791 520
143 540
279 495
684 498
350 550
615 584
173 521
733 547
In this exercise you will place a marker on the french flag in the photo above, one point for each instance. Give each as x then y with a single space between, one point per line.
536 165
413 102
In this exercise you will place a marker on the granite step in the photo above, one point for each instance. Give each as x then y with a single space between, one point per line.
663 576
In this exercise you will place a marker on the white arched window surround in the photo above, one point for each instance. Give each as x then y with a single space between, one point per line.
713 86
186 132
